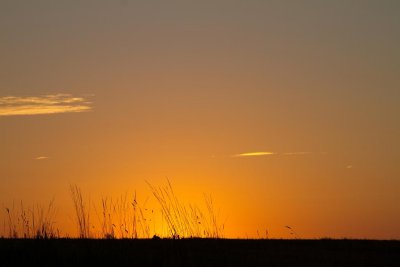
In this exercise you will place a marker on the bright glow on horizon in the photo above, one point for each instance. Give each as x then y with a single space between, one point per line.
287 113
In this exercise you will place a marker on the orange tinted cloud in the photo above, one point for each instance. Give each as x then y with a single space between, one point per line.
46 104
41 158
253 154
263 153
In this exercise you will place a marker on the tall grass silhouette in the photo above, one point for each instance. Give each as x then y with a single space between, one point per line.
36 221
121 217
82 212
186 220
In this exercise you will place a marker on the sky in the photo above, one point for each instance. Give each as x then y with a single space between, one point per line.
286 112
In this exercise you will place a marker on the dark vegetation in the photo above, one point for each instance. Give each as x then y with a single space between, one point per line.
123 217
194 237
198 252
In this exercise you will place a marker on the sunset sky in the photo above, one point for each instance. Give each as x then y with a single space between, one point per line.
286 112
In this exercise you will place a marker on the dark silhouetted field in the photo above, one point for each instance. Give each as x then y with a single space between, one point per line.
198 252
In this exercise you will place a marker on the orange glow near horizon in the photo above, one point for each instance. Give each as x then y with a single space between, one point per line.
285 112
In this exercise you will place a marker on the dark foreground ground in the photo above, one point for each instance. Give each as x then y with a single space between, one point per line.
198 252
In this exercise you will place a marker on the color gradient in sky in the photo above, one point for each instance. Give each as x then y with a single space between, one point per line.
287 112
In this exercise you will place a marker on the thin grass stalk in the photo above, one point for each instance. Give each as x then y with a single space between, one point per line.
81 212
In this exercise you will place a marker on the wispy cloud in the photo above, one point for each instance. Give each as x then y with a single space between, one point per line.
46 104
254 154
295 153
263 153
41 158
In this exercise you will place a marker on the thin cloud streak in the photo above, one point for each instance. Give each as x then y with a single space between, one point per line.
262 153
41 158
46 104
295 153
254 154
